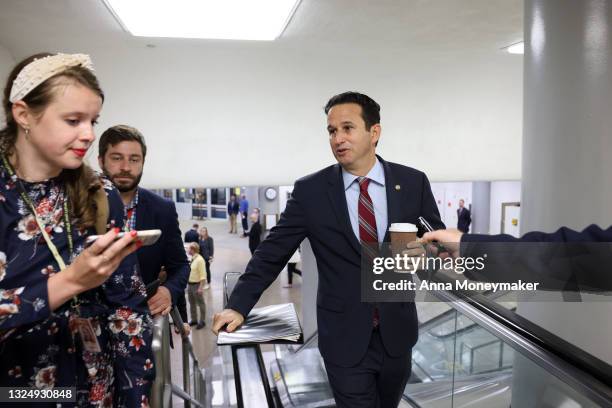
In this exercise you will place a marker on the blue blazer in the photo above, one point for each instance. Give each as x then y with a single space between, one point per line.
192 236
154 212
565 260
464 219
592 233
318 211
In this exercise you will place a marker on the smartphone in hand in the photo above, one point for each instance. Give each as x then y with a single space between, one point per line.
148 237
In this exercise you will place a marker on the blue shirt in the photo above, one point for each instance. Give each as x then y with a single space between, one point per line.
244 205
377 193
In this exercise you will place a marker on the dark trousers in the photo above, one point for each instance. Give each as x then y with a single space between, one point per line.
245 223
291 269
378 381
207 271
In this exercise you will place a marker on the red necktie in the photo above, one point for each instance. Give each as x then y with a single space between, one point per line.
368 234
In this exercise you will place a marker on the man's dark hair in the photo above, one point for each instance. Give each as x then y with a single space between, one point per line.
370 110
120 133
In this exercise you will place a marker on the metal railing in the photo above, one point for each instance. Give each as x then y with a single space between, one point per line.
252 385
229 281
193 391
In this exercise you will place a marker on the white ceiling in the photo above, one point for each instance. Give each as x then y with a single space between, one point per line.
447 90
27 26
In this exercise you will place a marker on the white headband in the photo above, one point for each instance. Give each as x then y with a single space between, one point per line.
39 70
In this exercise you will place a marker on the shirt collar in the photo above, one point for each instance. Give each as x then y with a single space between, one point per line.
376 174
133 203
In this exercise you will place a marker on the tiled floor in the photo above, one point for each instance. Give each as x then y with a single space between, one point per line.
231 255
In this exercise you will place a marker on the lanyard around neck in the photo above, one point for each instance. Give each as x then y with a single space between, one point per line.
41 227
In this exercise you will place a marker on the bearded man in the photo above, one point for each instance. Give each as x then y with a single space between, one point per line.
122 152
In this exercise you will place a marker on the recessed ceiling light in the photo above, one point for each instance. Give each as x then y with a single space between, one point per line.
518 48
213 19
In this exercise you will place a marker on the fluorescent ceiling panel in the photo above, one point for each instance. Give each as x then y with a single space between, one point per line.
262 20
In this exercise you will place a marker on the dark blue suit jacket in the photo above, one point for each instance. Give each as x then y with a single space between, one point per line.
154 212
562 260
233 208
592 233
464 219
192 236
318 211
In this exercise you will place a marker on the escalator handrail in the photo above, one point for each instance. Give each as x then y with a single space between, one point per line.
582 371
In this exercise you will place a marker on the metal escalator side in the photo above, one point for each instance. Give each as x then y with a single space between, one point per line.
193 392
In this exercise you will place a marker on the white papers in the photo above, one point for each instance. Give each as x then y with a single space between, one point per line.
266 324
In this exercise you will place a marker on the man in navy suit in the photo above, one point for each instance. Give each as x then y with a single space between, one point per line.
464 218
122 151
366 347
192 235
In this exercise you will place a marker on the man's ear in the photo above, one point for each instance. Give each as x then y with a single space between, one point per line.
375 132
101 162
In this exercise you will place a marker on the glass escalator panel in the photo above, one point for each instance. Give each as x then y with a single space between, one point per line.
459 361
300 377
475 368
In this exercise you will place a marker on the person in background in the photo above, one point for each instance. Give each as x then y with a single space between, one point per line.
232 211
464 217
254 232
292 268
192 235
71 315
244 214
197 279
207 250
122 153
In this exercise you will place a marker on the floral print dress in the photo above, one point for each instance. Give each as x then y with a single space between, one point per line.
45 349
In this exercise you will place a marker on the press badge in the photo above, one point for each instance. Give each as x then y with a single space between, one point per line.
88 336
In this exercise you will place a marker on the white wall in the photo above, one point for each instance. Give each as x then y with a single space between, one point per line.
231 107
481 207
502 192
6 65
252 114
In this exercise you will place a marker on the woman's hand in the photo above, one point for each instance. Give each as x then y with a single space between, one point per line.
92 267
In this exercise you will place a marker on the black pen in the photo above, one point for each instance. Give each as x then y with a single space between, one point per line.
429 228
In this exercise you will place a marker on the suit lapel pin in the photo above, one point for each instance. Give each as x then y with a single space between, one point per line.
398 187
